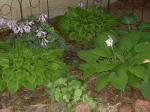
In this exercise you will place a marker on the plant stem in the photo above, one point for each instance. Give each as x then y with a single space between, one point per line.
129 27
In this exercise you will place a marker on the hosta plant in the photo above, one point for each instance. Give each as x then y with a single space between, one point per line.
119 62
28 68
83 24
129 19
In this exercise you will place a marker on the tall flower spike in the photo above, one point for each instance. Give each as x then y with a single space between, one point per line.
109 41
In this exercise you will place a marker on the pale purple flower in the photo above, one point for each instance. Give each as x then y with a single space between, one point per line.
42 18
11 24
27 28
40 33
15 30
2 22
81 4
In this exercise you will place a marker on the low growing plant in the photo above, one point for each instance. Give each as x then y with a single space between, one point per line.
129 19
82 24
119 62
25 67
70 91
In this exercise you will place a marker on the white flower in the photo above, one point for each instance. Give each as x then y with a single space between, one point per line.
146 61
109 41
44 42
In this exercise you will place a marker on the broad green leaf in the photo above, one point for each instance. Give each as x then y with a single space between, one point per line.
140 58
101 81
125 44
128 19
92 68
2 85
104 66
143 48
143 26
90 55
119 79
145 89
88 69
140 71
133 80
13 85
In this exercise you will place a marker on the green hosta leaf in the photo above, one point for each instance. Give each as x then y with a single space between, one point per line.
140 58
119 78
13 85
140 71
101 81
133 80
104 66
125 44
88 69
92 68
90 55
145 89
2 85
128 19
143 48
143 26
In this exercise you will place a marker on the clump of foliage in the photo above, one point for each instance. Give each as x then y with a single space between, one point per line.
120 62
70 91
129 19
143 26
33 32
25 67
83 24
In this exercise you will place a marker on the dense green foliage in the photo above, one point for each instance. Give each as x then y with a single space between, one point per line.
83 24
24 67
31 40
70 91
129 19
122 64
